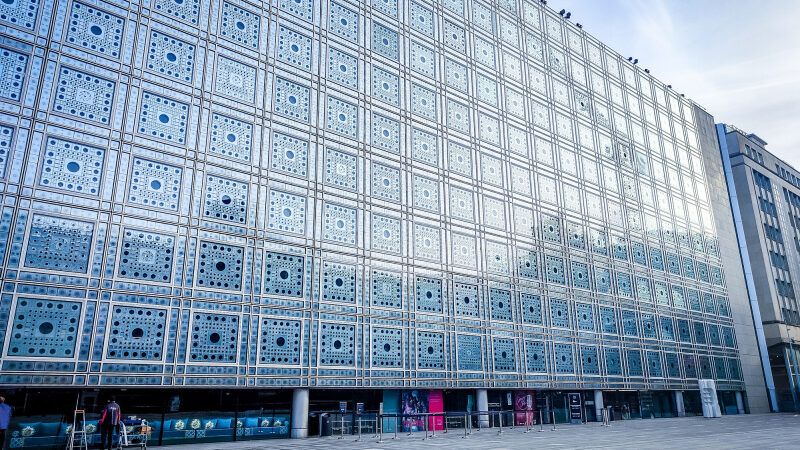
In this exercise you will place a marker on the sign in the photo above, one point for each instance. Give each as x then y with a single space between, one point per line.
575 407
380 408
342 407
529 401
359 408
508 398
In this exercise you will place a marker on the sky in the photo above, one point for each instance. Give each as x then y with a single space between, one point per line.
738 59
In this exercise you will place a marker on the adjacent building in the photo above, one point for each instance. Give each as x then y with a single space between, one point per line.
218 209
766 192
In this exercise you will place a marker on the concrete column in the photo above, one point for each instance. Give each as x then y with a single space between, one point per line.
739 402
679 403
300 413
598 405
482 400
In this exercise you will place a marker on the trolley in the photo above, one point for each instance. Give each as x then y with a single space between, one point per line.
136 437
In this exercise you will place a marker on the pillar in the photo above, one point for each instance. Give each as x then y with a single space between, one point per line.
598 405
679 403
300 413
482 399
739 402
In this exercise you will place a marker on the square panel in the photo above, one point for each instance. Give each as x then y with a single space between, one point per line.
455 37
59 244
467 300
291 99
423 101
464 250
456 75
613 362
555 269
343 22
230 137
96 30
462 204
342 68
71 166
531 306
459 159
342 117
424 146
44 328
171 57
240 25
163 118
385 133
290 154
584 315
494 213
468 352
293 48
386 234
279 341
430 350
146 256
535 356
283 274
6 136
386 289
420 18
236 80
287 212
336 344
501 307
385 86
225 199
458 116
338 282
496 257
20 12
220 266
528 264
155 185
388 7
589 360
562 355
423 60
188 11
214 338
341 169
84 96
429 294
387 350
384 41
559 313
137 333
339 224
504 354
426 193
385 182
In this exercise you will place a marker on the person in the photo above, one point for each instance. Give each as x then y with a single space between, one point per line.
5 418
109 420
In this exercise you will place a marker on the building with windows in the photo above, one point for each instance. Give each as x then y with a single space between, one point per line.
214 209
765 193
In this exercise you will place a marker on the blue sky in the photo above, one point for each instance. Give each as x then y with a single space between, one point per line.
738 59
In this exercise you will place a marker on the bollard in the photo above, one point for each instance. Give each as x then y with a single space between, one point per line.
553 413
541 424
425 426
528 421
342 429
395 427
434 426
500 421
465 427
359 428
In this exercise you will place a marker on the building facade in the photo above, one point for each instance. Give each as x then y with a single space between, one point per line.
332 194
767 192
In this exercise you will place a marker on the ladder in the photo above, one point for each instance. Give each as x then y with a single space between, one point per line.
77 437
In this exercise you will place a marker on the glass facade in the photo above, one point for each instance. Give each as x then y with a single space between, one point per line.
332 193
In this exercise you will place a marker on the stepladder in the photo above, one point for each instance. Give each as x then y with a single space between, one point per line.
77 433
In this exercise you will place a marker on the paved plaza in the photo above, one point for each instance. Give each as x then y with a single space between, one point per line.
765 431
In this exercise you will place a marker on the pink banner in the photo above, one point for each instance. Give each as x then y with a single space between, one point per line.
436 405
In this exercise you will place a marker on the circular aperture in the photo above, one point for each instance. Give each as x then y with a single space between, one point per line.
337 344
280 342
214 338
220 266
137 333
73 167
97 31
45 328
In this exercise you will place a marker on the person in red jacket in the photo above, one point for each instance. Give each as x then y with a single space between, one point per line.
109 421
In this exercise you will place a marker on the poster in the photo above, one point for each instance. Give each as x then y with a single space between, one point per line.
524 401
436 405
414 402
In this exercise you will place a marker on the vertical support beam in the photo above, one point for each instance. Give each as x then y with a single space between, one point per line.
482 399
679 404
739 402
300 413
598 404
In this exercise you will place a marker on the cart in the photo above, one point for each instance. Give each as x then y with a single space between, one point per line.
136 437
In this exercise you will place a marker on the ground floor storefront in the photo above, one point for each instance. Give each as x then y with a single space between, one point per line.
43 417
